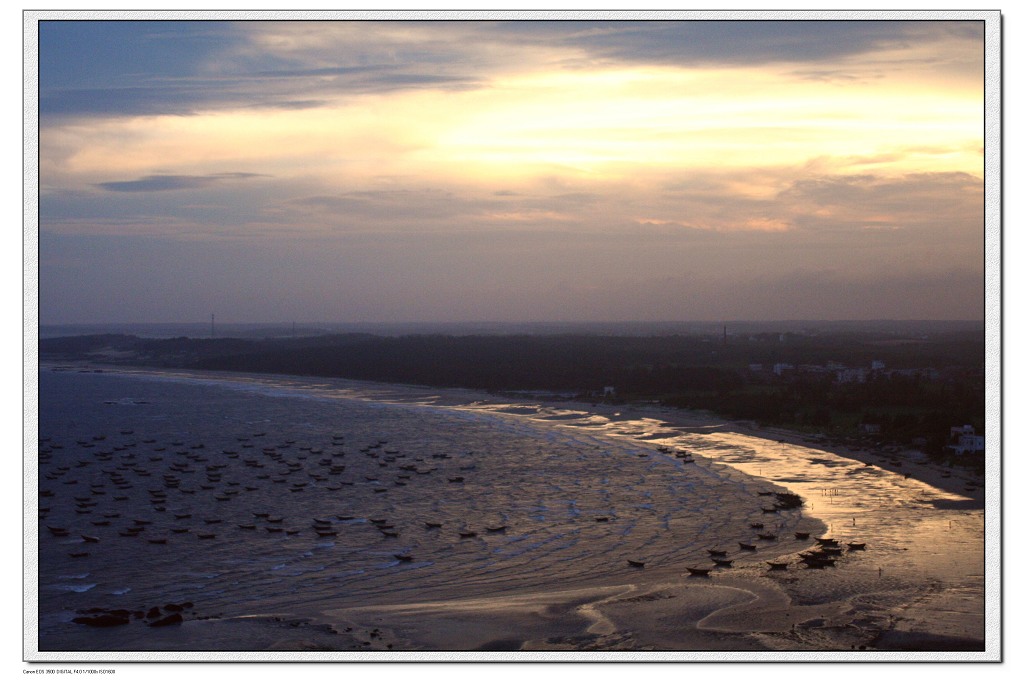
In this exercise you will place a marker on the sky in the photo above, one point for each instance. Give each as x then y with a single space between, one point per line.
510 171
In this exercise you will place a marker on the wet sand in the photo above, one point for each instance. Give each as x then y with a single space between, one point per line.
918 586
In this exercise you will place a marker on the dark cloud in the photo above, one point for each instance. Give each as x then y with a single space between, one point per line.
163 183
165 67
724 42
130 68
118 100
374 78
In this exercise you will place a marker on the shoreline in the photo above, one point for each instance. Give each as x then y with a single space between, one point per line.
660 610
912 463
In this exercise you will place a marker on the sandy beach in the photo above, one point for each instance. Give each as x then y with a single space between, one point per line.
917 584
750 608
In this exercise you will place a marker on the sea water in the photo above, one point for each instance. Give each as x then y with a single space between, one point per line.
256 495
259 495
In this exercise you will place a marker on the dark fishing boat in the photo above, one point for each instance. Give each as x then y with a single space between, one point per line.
802 536
777 565
749 548
717 552
636 564
727 563
856 545
702 572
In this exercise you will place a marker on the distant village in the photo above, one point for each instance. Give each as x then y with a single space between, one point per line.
841 374
870 388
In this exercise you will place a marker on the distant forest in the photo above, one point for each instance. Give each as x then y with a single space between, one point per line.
900 389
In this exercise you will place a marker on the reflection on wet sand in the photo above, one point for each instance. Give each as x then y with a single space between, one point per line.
383 518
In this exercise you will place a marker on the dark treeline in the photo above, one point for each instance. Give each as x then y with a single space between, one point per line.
908 388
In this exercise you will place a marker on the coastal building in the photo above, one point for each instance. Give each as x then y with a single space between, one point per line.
963 440
852 376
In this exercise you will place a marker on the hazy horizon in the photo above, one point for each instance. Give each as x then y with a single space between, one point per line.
491 172
490 328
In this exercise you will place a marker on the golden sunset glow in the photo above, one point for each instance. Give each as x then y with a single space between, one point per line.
330 130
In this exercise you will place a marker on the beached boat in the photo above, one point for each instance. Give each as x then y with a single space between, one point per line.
777 565
856 545
717 552
828 542
768 536
705 572
749 548
727 563
636 564
802 536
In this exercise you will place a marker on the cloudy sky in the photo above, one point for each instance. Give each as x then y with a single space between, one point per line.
489 171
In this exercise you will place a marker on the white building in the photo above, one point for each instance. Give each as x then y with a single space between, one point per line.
852 376
963 439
